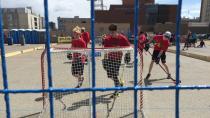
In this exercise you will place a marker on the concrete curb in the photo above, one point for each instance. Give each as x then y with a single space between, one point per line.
11 54
192 55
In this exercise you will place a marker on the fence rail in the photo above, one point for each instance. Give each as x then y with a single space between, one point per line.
136 88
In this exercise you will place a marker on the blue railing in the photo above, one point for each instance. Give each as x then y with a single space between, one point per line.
136 88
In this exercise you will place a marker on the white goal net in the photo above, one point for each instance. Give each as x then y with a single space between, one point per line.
72 68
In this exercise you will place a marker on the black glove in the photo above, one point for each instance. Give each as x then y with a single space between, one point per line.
69 56
105 63
147 46
127 58
157 60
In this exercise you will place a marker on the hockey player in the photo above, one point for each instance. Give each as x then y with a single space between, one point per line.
78 59
85 36
112 60
159 53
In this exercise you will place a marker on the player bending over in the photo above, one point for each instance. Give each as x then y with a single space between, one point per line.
160 47
112 60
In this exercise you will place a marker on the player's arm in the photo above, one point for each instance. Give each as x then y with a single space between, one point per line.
105 42
125 41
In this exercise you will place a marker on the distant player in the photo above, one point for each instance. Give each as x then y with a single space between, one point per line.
112 60
187 41
78 59
85 36
202 44
160 47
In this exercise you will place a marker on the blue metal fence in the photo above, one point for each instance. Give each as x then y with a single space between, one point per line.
6 91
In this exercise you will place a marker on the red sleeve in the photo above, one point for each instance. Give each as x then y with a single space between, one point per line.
106 42
157 38
142 38
123 41
73 43
86 37
165 45
141 41
78 43
82 43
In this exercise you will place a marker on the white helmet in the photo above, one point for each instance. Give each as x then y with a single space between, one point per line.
167 34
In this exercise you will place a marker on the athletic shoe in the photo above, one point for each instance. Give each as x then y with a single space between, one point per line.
169 76
121 83
80 81
148 75
115 95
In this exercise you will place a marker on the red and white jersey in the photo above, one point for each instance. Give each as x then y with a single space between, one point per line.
117 41
86 37
160 43
78 43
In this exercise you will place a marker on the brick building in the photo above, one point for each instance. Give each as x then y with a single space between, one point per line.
205 11
149 14
65 26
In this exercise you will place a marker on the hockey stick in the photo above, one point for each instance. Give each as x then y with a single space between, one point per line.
165 70
109 110
121 80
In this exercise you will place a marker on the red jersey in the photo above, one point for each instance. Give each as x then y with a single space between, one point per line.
86 37
78 43
141 44
118 41
160 43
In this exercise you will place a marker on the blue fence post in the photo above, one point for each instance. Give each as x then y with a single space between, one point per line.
4 67
93 58
47 45
136 18
178 18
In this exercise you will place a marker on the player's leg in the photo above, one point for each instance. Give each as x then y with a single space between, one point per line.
115 72
154 57
77 71
80 73
163 60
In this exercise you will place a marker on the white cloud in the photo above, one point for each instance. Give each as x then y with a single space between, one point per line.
71 8
63 8
191 11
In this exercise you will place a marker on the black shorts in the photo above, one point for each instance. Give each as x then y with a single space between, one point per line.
162 57
112 67
77 67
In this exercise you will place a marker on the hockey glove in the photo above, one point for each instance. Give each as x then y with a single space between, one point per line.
146 48
127 58
69 56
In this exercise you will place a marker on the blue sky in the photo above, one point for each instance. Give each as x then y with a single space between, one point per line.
71 8
190 8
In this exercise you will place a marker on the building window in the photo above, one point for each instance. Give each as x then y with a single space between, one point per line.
9 18
35 19
83 22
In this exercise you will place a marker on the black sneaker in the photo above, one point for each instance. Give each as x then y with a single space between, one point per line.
115 95
169 76
148 75
80 81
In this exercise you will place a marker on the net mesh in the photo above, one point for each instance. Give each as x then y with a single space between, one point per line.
71 68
